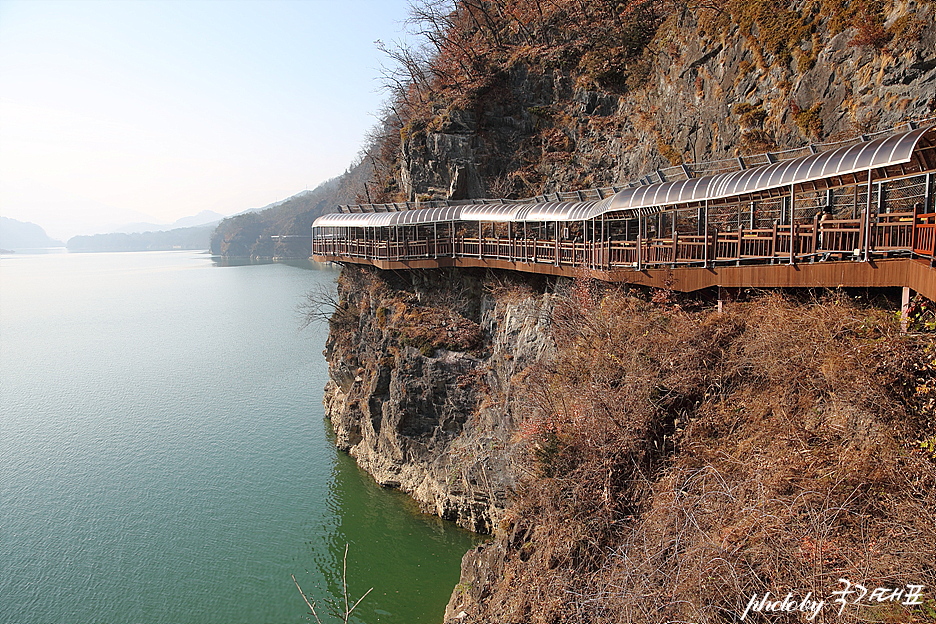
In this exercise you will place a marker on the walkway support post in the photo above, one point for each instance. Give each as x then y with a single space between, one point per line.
604 260
526 239
904 309
584 238
674 233
510 243
792 224
556 236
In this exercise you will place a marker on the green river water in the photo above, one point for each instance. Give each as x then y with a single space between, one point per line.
164 457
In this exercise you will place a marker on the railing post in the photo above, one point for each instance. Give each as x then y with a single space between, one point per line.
866 225
913 230
639 251
815 235
675 246
861 235
773 241
928 194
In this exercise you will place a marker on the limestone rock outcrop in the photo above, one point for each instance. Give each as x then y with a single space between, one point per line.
419 389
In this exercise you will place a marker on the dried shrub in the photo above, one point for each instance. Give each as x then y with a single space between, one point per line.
779 28
808 121
869 26
679 462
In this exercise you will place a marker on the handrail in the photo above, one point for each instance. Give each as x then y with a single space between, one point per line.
909 232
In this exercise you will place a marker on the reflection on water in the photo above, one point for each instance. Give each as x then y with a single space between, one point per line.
299 263
165 457
27 251
418 545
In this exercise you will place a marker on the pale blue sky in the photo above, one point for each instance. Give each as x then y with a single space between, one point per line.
131 110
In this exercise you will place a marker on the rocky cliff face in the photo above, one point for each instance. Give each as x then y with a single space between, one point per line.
419 392
434 375
714 83
640 458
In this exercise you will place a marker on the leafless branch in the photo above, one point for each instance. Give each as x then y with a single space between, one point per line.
322 304
345 617
310 603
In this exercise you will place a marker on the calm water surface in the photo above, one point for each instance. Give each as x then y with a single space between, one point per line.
163 454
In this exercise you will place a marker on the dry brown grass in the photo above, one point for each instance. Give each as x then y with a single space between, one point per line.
438 320
679 462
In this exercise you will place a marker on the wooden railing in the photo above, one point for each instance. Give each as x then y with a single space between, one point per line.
924 234
910 232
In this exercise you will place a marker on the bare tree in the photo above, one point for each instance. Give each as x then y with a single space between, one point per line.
407 77
322 304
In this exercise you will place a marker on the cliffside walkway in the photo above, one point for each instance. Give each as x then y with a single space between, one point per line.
861 215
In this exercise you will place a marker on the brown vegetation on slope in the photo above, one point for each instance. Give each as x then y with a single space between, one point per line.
529 96
681 461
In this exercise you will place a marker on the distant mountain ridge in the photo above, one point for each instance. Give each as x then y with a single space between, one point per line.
24 235
283 229
205 217
160 240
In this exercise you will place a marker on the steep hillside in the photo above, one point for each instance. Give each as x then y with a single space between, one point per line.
409 358
641 458
23 235
521 98
251 234
674 462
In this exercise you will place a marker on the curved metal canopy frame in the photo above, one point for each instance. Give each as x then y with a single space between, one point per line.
897 149
884 152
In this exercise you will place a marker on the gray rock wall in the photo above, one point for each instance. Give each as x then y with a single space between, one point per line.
433 421
711 90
